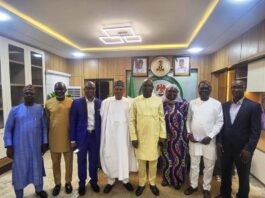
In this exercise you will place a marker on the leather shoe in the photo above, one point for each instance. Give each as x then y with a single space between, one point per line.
42 194
68 188
139 190
206 194
107 188
81 190
164 183
222 196
177 186
128 186
95 187
154 190
190 190
56 190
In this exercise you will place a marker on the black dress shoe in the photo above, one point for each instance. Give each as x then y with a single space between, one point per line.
68 188
177 186
154 190
139 190
42 194
107 188
56 190
95 187
128 186
164 182
206 194
190 190
81 190
222 196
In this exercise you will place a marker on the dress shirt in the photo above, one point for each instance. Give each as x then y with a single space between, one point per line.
90 115
234 108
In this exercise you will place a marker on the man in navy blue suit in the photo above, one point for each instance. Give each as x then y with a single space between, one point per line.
85 124
238 139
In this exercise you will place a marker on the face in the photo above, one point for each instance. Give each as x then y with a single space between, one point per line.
204 91
118 92
238 89
172 93
147 87
181 63
59 89
28 96
90 90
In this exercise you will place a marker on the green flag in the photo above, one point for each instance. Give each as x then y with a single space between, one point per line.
131 93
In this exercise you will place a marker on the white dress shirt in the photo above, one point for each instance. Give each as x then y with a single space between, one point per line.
90 115
234 108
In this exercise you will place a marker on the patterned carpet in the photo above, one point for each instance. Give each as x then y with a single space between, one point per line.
118 191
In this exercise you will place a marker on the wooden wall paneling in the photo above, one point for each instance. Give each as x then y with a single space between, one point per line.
234 51
214 83
222 86
90 68
54 62
261 38
249 43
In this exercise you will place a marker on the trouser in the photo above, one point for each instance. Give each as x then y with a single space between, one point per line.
243 171
56 166
20 192
142 174
91 150
111 181
207 172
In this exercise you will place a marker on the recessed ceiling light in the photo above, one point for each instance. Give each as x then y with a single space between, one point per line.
4 16
239 1
195 50
78 54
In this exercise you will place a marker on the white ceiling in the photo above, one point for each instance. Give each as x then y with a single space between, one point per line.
158 22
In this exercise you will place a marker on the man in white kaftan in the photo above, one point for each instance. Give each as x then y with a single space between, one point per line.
116 152
204 122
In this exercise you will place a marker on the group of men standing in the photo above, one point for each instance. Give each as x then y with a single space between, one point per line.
126 136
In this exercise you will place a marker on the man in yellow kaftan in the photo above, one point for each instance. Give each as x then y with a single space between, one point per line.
147 130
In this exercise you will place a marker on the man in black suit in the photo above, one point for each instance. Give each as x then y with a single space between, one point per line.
238 139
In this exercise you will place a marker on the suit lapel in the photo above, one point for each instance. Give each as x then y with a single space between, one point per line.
84 104
240 110
228 113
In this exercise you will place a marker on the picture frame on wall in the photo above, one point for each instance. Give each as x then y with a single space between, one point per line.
263 112
140 66
181 65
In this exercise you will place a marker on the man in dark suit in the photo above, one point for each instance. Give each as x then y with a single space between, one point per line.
238 139
85 124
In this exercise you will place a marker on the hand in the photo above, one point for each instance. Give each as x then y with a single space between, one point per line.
206 140
191 138
161 141
135 143
220 149
10 152
245 156
44 148
73 146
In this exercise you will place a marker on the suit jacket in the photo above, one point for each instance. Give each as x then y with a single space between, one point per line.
78 121
244 133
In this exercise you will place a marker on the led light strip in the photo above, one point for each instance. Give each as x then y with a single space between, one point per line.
44 28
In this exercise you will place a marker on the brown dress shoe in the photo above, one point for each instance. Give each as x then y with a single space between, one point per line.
206 194
190 190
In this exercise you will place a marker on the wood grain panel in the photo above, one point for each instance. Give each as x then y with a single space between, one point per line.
249 43
233 51
262 38
54 62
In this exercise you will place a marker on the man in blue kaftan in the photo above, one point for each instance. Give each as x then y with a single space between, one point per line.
26 140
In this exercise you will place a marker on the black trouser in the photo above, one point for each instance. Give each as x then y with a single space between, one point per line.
243 170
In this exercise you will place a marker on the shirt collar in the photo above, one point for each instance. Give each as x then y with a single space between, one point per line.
87 101
238 102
